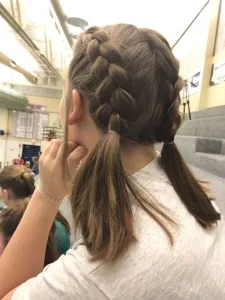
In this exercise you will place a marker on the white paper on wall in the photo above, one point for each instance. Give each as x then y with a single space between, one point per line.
218 72
19 123
29 124
40 121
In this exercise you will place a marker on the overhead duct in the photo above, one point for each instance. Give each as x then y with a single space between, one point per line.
62 19
35 50
5 60
38 91
10 98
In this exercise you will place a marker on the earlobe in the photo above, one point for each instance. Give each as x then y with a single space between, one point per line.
76 111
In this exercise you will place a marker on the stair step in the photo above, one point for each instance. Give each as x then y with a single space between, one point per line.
209 112
208 145
214 163
218 157
212 127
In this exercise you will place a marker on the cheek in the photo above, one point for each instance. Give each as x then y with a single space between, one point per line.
74 133
2 246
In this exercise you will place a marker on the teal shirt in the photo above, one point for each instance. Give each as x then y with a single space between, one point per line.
62 238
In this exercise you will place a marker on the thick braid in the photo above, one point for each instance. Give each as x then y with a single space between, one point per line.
173 83
111 80
172 117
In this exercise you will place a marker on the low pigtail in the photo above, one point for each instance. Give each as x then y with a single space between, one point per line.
101 200
187 187
102 209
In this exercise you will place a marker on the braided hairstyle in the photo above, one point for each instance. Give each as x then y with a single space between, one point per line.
131 79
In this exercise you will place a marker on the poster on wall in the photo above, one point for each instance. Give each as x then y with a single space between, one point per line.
36 107
218 74
40 121
192 85
28 124
19 124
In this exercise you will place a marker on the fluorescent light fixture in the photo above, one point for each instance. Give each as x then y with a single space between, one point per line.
13 63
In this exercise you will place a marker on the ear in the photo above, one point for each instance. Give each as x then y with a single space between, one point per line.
77 108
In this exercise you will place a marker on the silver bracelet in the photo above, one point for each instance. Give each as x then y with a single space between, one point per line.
53 200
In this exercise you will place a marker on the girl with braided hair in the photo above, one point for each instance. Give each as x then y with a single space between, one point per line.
148 230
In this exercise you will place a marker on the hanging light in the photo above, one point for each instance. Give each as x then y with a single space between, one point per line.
77 22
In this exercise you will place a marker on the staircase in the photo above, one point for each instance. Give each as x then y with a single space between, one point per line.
202 140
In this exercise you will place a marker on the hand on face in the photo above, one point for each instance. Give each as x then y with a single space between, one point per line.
52 180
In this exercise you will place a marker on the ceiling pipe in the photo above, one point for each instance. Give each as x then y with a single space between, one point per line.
5 60
35 50
195 18
62 19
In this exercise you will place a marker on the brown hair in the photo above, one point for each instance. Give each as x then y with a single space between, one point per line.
10 218
18 179
130 77
59 217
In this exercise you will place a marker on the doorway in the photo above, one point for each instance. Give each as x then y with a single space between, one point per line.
28 152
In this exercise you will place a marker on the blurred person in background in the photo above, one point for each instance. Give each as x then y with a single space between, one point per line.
35 166
10 218
16 184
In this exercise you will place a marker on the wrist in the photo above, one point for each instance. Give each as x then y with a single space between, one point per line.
48 197
39 200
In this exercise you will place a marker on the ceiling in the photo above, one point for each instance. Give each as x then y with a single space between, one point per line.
45 28
169 17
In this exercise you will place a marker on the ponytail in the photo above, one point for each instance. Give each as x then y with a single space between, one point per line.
101 204
28 182
191 193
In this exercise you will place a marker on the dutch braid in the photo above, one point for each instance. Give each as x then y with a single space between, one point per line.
112 83
191 193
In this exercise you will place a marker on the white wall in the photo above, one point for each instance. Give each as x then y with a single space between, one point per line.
2 152
10 147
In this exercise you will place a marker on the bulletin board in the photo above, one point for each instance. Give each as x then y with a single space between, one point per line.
29 125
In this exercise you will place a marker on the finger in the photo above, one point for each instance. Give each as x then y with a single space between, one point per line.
71 146
47 149
76 157
68 147
55 148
